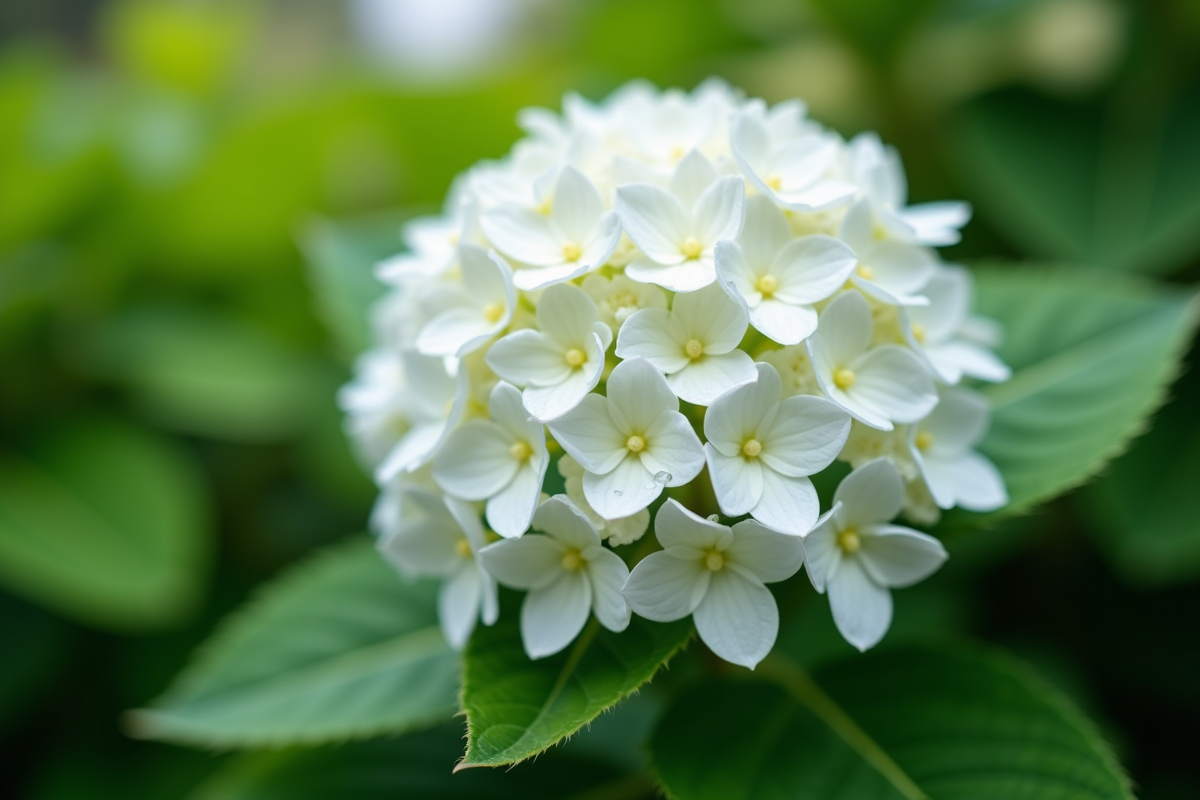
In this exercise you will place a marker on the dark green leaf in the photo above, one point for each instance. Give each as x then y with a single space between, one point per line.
516 708
106 523
916 722
340 647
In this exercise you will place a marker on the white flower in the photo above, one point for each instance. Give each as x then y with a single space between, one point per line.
889 270
777 277
632 443
878 172
473 309
562 361
761 448
502 460
877 385
567 573
441 537
943 446
694 344
937 331
576 237
375 404
619 297
433 241
716 574
623 530
786 160
665 127
795 369
677 230
857 556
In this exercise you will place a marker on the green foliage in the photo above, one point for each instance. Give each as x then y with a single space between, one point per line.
105 523
516 708
1091 359
1117 188
917 722
339 648
876 27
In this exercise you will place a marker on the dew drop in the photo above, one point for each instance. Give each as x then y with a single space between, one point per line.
661 478
618 492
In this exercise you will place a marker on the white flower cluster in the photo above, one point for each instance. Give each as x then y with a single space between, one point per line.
688 293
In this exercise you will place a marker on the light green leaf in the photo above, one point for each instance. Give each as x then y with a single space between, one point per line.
105 523
1101 187
1145 510
341 271
418 766
1091 356
916 722
516 708
340 647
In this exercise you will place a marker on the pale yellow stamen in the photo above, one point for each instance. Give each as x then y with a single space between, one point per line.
462 547
714 560
844 378
865 272
677 152
575 357
924 440
492 312
752 448
849 541
546 207
572 560
693 349
918 332
767 285
571 251
775 182
635 443
691 247
520 451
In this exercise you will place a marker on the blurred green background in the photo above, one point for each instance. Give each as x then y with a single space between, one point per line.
187 190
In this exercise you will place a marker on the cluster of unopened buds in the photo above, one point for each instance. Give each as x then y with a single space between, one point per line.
689 294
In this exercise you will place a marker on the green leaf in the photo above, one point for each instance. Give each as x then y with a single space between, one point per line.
1091 357
916 722
876 27
417 765
105 523
1115 188
341 271
1145 510
340 647
516 708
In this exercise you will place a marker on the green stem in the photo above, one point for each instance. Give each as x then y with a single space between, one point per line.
792 677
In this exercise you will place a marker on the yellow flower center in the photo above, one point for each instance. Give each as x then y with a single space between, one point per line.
775 181
924 440
752 448
849 541
635 443
844 378
492 312
918 332
691 247
865 272
693 349
571 251
572 560
520 451
767 285
462 547
714 560
546 207
575 357
677 152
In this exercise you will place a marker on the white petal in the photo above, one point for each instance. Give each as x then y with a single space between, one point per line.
458 605
510 511
507 411
552 616
664 588
967 480
937 224
676 526
655 220
683 276
653 335
871 494
545 403
736 416
901 269
720 211
862 610
524 235
896 556
411 451
892 382
782 322
959 421
812 268
640 393
822 555
528 562
527 357
711 316
704 380
770 555
424 542
735 274
455 331
566 314
805 437
968 359
474 463
693 174
608 575
577 204
765 232
737 481
788 505
561 519
737 619
588 434
844 330
672 447
623 491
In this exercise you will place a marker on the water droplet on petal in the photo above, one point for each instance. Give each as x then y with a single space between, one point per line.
662 478
618 492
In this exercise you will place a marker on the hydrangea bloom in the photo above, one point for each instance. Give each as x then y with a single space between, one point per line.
685 305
